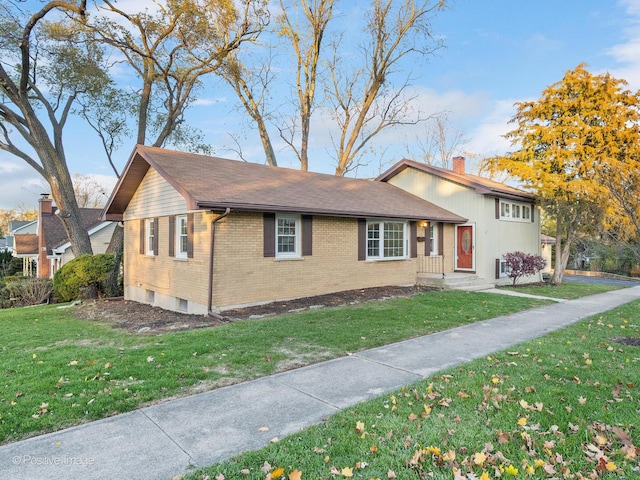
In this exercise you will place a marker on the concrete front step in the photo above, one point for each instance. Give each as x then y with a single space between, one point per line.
453 281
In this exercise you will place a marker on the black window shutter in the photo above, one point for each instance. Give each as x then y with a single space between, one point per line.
427 240
156 232
413 228
440 238
190 230
142 236
172 236
497 268
307 235
532 210
497 208
362 239
269 223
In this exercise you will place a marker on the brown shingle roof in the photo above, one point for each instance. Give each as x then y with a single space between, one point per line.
216 183
54 232
26 244
482 186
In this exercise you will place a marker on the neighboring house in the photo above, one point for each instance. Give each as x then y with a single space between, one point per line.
501 219
547 244
25 246
205 234
45 241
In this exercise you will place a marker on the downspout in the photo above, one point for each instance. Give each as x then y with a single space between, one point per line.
210 311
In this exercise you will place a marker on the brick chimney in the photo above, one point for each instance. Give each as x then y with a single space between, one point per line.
458 165
46 204
45 209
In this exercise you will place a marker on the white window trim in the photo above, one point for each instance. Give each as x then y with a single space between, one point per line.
509 217
297 253
148 238
178 251
504 270
405 243
432 233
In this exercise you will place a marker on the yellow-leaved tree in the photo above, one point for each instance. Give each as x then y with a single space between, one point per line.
573 144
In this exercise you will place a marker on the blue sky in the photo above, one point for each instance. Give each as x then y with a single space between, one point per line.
496 53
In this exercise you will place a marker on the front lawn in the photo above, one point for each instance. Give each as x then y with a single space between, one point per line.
59 371
563 406
566 290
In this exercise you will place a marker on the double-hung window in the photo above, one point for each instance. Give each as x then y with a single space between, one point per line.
387 240
288 236
433 239
181 236
150 228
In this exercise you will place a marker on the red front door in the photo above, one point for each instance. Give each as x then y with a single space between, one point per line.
464 243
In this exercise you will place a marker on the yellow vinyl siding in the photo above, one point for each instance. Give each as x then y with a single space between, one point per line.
154 198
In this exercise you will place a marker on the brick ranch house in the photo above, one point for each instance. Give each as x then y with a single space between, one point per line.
205 234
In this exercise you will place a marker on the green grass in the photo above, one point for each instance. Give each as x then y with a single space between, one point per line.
564 405
566 290
59 371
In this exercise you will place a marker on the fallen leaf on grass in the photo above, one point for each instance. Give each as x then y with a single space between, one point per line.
295 475
277 473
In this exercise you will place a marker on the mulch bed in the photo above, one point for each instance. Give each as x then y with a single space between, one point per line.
139 318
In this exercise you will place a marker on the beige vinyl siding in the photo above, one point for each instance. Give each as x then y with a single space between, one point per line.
100 240
154 198
493 237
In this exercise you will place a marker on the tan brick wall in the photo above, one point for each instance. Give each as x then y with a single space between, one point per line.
242 275
166 275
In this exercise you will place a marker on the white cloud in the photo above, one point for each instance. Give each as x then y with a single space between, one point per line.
21 185
627 54
207 102
488 137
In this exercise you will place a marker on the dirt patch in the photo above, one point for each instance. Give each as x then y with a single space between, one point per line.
631 341
138 318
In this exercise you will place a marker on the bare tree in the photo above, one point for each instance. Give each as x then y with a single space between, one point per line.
306 42
440 142
252 89
170 52
89 192
37 98
364 98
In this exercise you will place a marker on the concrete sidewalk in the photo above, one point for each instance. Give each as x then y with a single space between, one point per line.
164 440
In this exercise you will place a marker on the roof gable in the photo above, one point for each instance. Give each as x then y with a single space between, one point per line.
482 186
216 184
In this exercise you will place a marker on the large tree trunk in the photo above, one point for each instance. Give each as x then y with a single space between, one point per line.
69 212
115 248
563 251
